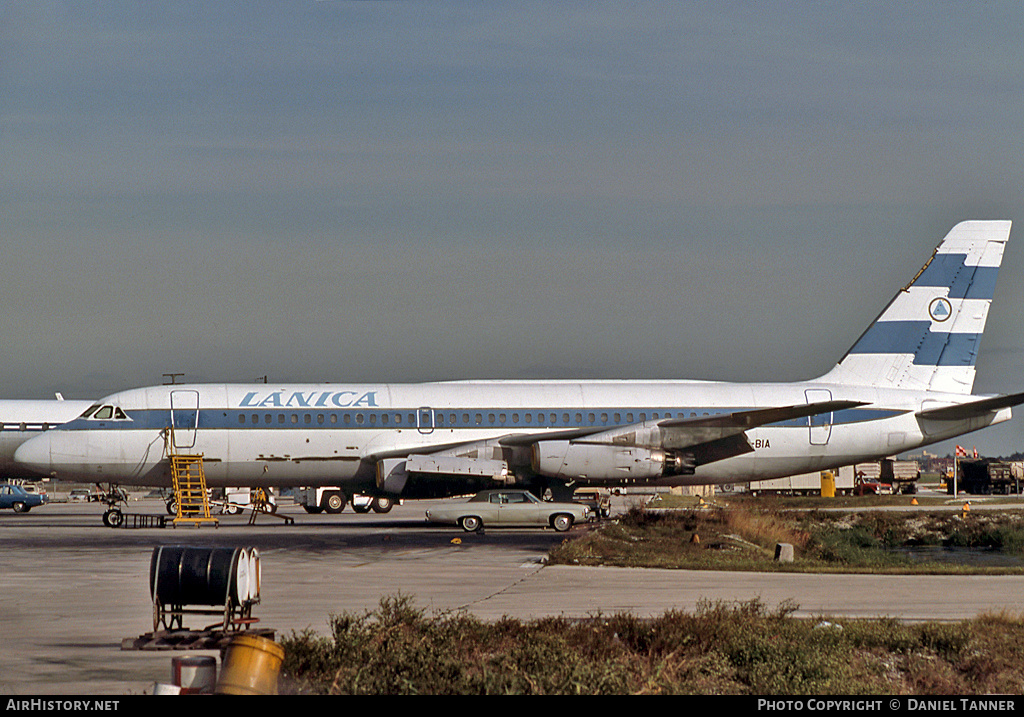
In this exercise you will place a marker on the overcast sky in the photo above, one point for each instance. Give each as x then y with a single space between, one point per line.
406 191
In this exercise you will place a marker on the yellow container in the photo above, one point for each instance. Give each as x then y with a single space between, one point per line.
828 484
250 666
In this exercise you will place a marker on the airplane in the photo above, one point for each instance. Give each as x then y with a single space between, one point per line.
905 383
22 419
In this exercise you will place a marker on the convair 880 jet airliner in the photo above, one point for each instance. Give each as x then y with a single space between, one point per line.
905 383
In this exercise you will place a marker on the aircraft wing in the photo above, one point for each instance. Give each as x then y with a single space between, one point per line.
706 438
717 437
963 411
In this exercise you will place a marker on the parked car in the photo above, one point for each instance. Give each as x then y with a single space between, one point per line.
509 507
83 495
16 497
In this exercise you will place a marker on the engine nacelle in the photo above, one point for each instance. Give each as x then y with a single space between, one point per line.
570 461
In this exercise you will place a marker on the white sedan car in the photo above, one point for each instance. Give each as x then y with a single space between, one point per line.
509 507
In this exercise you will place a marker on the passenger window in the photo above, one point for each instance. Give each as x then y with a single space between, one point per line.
241 418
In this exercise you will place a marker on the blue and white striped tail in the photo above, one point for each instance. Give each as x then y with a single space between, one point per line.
928 336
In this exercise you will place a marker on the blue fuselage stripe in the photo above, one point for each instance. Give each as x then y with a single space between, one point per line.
516 419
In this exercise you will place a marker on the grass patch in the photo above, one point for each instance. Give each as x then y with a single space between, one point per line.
719 649
744 536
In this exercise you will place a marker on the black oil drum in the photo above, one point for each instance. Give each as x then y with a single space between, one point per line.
182 575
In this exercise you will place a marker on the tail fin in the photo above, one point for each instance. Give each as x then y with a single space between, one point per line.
928 335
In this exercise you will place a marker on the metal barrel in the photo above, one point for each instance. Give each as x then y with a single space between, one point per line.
184 575
250 666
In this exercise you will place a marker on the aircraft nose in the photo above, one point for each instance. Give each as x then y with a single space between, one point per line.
34 454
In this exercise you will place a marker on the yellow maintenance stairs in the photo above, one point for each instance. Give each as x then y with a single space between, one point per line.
189 483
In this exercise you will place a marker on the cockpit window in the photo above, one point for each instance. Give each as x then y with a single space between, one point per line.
103 413
90 410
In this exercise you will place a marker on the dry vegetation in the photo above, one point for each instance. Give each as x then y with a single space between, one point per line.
719 649
738 649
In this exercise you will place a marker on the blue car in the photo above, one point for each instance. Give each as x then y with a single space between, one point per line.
16 497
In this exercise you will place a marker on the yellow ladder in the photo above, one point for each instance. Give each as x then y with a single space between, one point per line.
190 495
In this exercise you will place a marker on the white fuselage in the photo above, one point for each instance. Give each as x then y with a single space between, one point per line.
333 434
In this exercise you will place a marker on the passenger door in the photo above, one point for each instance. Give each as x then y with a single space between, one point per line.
184 417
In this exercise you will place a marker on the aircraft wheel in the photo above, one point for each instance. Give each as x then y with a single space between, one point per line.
113 518
561 522
471 524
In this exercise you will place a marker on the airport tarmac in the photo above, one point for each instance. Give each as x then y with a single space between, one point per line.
71 590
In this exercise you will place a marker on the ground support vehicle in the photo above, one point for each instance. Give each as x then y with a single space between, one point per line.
509 507
332 499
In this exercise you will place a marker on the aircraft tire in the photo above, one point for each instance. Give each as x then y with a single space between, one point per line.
113 518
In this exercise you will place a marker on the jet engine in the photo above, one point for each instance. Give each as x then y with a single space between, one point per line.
569 461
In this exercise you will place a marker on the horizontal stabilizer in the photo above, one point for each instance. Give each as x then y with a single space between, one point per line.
963 411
